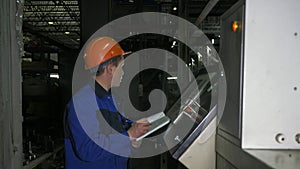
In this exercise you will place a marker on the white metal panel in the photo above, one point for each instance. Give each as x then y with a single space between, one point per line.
202 153
271 94
280 159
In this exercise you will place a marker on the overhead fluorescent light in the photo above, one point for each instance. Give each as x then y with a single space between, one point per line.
171 78
174 43
199 56
27 59
50 23
67 33
54 75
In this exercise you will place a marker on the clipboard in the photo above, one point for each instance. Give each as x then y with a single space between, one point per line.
156 121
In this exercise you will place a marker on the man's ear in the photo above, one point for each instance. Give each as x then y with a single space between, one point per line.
109 69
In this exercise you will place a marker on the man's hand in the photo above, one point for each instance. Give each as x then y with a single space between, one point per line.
138 128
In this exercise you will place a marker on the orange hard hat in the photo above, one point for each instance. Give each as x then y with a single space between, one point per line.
100 50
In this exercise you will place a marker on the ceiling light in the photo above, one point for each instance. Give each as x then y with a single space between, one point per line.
50 23
174 43
199 56
54 75
171 78
67 33
175 8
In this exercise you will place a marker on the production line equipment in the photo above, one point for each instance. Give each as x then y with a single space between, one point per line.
259 127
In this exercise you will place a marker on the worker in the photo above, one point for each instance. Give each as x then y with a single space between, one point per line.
89 142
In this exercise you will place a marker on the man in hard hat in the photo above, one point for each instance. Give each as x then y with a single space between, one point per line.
93 134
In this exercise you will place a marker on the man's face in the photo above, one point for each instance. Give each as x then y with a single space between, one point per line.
117 74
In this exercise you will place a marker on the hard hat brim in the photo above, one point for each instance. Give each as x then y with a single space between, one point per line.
126 54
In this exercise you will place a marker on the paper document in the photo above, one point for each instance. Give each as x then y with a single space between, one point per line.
156 121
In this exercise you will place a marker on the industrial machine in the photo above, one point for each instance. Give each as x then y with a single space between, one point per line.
260 125
191 141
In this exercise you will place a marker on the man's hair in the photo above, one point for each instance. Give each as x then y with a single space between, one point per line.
114 61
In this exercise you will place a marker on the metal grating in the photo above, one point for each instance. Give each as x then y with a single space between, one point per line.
56 21
51 19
